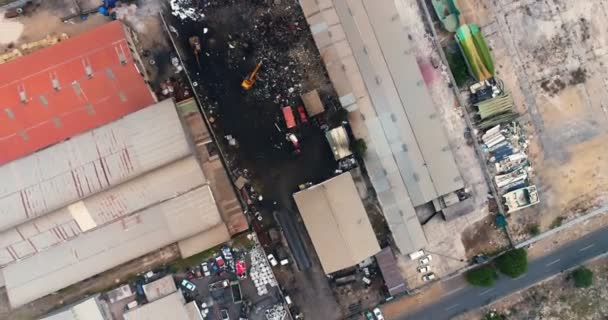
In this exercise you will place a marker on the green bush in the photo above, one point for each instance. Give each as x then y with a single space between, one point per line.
534 230
458 67
482 277
513 263
583 277
359 147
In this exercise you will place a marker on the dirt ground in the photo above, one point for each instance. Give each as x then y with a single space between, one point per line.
556 299
484 238
552 56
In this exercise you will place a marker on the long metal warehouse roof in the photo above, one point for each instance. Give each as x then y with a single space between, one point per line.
101 208
68 88
407 117
337 223
116 243
90 162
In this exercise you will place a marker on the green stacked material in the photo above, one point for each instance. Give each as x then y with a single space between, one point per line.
495 106
448 13
476 52
497 119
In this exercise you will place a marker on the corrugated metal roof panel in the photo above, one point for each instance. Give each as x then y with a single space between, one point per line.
53 84
91 162
101 249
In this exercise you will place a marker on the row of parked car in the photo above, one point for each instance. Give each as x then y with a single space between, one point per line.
424 264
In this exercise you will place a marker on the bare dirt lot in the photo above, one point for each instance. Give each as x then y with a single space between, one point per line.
552 56
556 299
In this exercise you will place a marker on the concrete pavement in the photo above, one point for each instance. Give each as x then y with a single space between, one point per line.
461 297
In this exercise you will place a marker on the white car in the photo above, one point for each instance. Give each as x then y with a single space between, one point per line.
426 260
378 314
428 277
272 260
424 269
188 285
205 269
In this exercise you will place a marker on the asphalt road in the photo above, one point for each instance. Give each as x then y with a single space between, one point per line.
463 298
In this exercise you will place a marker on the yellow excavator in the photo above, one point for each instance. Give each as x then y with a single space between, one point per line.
250 81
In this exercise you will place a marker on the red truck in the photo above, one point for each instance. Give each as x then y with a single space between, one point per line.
290 120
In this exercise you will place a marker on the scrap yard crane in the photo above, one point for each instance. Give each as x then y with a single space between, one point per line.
250 80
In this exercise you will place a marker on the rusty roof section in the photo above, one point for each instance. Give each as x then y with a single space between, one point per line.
67 89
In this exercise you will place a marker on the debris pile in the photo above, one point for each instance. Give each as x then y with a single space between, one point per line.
260 272
277 312
184 9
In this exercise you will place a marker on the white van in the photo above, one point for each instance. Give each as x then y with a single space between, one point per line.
416 255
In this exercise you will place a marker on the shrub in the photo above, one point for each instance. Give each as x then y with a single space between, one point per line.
534 230
458 67
513 263
482 277
583 277
359 147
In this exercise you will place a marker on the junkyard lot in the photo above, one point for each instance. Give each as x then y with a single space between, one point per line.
552 56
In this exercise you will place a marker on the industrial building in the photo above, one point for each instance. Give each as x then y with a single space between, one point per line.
172 306
374 70
100 199
68 88
337 223
89 309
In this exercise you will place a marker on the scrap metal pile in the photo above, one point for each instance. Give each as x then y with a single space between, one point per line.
260 271
506 147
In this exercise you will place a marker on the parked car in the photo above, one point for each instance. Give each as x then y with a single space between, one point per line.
369 316
378 314
241 269
220 262
188 285
224 314
302 113
272 260
205 269
426 260
227 252
428 277
222 284
424 269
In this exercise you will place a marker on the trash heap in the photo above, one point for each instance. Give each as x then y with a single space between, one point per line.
277 312
260 271
183 9
505 146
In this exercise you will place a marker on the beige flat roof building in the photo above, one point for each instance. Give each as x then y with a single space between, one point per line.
337 223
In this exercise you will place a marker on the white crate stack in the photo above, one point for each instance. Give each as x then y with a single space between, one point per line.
260 271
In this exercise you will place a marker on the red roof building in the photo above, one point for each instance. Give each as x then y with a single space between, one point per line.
67 89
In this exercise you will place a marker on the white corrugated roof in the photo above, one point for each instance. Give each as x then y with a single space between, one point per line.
51 229
337 223
85 310
91 162
169 307
106 247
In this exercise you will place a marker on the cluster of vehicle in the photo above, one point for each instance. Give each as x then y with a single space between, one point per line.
424 265
290 123
375 314
224 262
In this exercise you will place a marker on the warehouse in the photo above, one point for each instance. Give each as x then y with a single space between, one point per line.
68 88
130 189
337 223
374 70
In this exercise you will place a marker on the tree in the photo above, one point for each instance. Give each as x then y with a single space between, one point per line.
513 263
482 277
458 66
583 277
534 230
359 147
